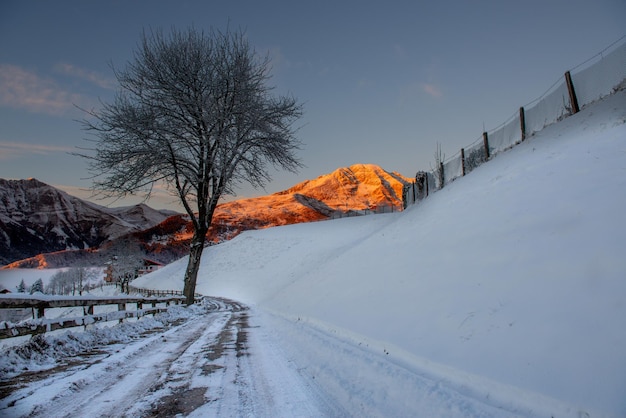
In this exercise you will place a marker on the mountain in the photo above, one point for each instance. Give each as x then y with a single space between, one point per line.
45 227
37 218
345 191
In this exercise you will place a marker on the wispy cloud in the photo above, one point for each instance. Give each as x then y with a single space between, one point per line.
23 89
9 150
432 90
416 91
86 75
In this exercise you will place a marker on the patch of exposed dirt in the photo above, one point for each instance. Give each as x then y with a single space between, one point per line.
238 324
182 401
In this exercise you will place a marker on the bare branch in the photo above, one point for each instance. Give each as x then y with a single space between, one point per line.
195 110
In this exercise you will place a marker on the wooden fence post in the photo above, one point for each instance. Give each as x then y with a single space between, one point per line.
121 307
442 177
38 312
486 145
572 93
463 161
89 311
522 122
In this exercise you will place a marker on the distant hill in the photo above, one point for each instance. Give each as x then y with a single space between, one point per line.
37 218
45 227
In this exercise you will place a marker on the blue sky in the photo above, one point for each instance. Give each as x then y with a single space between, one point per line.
381 82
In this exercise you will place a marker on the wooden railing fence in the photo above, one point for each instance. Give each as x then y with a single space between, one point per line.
158 293
40 324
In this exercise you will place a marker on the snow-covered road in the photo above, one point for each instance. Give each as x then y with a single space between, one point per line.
224 359
212 364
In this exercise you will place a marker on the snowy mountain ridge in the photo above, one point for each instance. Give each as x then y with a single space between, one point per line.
38 218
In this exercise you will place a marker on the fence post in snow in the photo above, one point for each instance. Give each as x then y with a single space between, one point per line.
463 161
572 93
420 186
442 177
39 312
121 307
486 145
522 122
87 312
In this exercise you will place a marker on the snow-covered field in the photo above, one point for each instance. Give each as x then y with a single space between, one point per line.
504 294
508 286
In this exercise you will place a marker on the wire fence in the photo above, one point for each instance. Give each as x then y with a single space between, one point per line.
597 77
350 213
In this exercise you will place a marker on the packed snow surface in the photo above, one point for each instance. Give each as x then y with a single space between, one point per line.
507 286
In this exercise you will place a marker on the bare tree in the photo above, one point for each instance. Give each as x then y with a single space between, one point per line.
194 111
70 281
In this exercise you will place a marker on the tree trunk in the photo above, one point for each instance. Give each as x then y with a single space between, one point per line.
191 274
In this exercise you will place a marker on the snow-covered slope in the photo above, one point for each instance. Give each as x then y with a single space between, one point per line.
508 286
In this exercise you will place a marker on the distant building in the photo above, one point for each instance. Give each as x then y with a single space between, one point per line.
108 273
149 266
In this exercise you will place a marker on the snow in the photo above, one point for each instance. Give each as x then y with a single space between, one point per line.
503 294
511 278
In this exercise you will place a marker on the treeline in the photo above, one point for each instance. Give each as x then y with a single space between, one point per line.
72 281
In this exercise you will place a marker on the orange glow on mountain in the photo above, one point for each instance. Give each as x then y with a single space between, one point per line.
355 188
37 262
